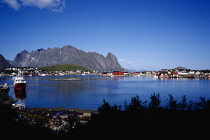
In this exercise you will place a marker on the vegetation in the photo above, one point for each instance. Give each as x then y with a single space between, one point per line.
137 120
7 114
64 67
10 129
141 120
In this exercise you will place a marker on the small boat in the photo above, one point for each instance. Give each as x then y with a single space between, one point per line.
4 88
19 83
155 76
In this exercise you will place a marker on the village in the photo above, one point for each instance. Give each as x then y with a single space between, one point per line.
31 71
179 72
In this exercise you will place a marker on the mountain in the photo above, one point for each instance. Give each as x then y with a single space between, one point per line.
3 63
66 55
180 68
64 67
9 61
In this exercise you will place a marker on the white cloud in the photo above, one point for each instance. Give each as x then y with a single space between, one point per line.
53 5
37 3
129 62
13 4
121 60
126 61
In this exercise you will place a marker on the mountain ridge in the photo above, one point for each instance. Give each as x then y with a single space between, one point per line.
66 55
64 67
4 63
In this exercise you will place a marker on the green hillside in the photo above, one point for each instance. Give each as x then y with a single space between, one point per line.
64 67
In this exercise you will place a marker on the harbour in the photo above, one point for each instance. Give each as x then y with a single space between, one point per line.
89 91
104 69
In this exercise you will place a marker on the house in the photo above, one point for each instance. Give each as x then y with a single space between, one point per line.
198 73
191 72
182 73
118 73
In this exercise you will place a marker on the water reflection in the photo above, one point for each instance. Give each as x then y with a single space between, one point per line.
20 96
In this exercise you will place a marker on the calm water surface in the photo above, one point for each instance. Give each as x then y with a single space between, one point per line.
89 92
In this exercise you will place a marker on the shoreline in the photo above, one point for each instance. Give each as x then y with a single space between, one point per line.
55 120
61 109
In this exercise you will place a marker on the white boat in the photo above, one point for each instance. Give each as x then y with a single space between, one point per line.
19 83
111 76
4 88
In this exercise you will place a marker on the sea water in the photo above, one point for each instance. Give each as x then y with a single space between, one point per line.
89 91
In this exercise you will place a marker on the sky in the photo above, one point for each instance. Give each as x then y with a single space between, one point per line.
142 34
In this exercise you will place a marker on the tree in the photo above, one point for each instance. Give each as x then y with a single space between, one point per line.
202 103
172 103
135 104
183 104
105 107
155 100
8 114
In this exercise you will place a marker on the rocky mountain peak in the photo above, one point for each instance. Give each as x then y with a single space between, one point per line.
67 55
111 57
21 59
39 50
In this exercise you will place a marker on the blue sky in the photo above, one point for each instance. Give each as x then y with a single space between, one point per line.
143 34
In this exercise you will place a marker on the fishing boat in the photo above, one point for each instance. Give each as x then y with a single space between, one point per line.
19 83
20 95
4 88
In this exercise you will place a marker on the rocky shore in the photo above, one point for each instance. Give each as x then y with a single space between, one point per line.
56 120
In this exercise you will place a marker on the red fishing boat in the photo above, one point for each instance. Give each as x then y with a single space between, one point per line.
19 83
19 95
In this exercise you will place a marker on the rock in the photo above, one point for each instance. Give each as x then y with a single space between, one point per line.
4 63
67 55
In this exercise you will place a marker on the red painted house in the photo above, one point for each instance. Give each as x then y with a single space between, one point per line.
118 73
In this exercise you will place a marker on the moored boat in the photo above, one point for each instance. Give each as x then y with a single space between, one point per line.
4 88
20 94
19 83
